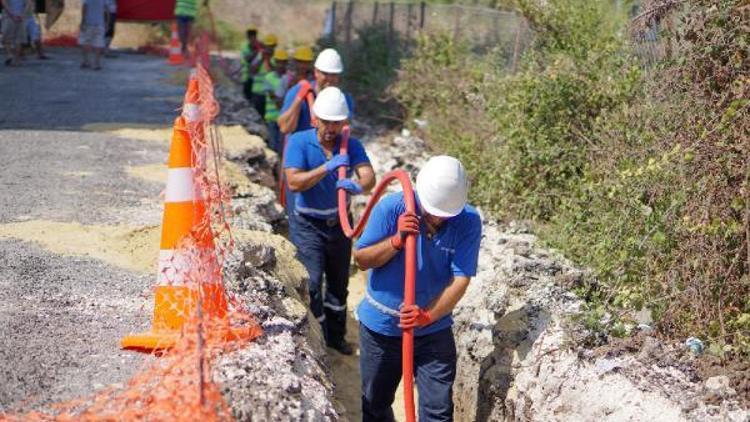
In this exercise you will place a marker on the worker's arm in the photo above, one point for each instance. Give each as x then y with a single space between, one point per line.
300 180
447 300
365 177
378 254
375 256
288 119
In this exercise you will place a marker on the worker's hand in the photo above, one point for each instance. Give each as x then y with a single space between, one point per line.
304 89
338 160
408 223
350 186
412 316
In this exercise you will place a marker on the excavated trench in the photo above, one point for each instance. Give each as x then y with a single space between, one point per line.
519 354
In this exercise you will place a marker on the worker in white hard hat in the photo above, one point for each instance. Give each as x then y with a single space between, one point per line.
295 115
448 235
311 164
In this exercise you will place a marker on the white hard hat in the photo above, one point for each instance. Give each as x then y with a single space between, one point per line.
331 105
442 186
329 61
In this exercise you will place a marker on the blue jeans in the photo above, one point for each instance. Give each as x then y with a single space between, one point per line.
434 372
274 136
324 250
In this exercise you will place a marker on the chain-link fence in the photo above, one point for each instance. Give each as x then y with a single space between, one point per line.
482 29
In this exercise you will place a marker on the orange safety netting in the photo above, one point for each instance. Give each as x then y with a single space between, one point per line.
177 385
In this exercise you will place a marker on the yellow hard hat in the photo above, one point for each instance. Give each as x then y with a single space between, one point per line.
251 28
280 54
270 40
303 54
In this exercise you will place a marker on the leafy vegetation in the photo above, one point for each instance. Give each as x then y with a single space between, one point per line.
642 174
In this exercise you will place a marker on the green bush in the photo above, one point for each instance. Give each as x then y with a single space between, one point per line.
641 175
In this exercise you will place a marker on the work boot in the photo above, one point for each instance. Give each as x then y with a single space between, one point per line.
342 346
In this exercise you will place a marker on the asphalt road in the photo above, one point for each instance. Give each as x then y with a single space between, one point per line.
61 316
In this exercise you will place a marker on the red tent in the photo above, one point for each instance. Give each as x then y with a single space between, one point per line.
145 10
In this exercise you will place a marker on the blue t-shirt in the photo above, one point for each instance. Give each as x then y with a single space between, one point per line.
304 152
304 114
452 251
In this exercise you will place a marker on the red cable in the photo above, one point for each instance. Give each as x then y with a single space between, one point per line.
407 347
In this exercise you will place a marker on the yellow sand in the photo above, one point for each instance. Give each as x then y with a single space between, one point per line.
135 249
236 140
230 173
150 172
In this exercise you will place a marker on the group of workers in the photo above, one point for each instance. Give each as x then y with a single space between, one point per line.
447 230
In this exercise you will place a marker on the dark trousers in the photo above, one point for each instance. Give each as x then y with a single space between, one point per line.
434 372
324 250
247 89
258 102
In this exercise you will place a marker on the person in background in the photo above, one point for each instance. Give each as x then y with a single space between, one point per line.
34 32
311 165
91 34
448 233
14 29
302 69
185 12
110 32
259 68
275 91
250 50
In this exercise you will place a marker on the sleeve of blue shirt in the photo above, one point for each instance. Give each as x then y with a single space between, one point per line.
357 153
382 222
289 97
295 153
467 249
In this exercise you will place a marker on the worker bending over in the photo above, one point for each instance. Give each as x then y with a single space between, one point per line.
311 164
448 234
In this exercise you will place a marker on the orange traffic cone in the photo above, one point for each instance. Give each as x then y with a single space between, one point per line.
175 49
183 288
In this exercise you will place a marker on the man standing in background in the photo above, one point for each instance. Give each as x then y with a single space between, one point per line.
275 90
14 29
110 32
259 68
249 52
92 32
185 12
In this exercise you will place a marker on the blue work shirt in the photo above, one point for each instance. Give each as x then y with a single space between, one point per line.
303 123
305 153
452 251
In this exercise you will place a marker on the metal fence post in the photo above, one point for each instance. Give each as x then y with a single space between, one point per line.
375 13
517 45
421 14
408 21
457 23
333 23
349 9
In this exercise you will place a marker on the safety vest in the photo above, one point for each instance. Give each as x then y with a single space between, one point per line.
273 83
251 51
186 8
259 81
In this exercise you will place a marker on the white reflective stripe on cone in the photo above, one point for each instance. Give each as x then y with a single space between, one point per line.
180 185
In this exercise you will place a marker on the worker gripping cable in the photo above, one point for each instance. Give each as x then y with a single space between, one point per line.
259 67
250 50
275 90
448 235
311 163
295 114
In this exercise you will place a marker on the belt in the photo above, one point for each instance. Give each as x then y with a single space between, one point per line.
330 222
380 307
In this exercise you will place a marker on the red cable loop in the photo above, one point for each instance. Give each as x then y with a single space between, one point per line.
407 347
